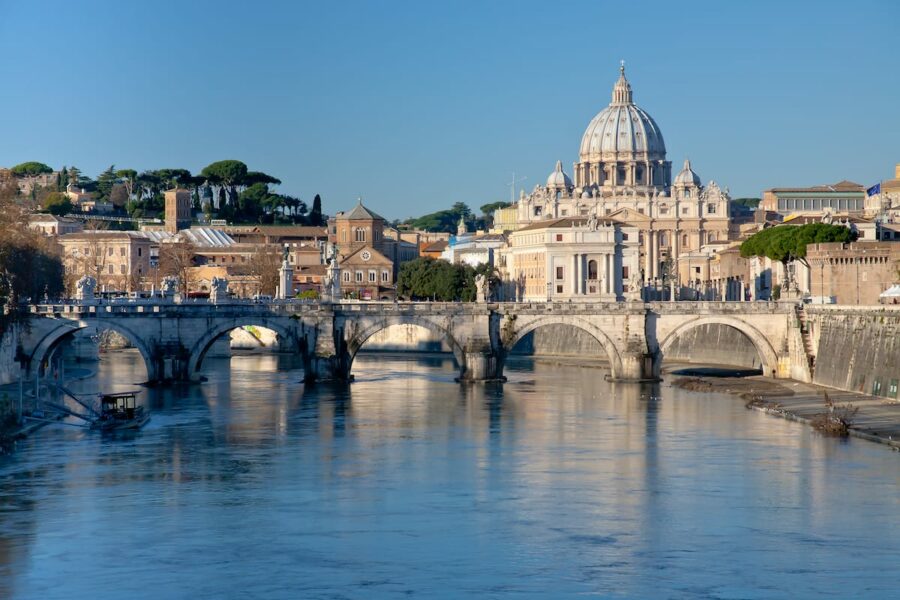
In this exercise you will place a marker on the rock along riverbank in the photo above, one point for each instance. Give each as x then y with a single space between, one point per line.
877 420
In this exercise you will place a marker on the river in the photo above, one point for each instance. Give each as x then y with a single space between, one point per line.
556 484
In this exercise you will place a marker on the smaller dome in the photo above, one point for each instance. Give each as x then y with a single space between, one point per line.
558 178
687 176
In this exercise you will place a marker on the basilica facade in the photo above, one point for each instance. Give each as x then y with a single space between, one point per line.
622 175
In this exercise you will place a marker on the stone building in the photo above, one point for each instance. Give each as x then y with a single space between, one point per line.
853 273
623 175
118 260
51 225
841 197
571 258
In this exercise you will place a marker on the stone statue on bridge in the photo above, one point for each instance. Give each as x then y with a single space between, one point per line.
84 289
331 283
169 286
219 287
482 289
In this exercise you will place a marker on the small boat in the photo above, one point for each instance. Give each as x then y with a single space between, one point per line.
119 412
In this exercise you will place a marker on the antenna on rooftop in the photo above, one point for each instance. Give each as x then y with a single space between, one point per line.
512 186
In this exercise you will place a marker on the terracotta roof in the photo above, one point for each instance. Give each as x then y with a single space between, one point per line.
359 212
438 246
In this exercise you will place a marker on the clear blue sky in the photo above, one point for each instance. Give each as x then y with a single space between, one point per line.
416 105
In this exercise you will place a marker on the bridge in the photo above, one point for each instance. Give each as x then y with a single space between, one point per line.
173 338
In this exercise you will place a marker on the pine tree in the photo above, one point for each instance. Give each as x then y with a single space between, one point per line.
63 181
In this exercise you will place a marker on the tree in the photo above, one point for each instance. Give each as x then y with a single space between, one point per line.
118 195
785 243
63 181
176 259
264 265
315 215
429 278
487 211
57 203
226 175
30 169
105 182
30 265
442 220
127 177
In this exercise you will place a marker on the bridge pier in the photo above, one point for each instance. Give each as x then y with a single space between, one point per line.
637 367
480 363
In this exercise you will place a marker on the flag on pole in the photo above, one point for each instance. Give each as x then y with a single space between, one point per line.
874 190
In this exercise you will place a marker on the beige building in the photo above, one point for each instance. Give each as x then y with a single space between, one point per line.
852 273
841 197
51 225
578 259
623 175
716 272
118 260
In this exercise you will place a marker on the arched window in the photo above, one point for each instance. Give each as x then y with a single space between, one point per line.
687 193
592 269
684 241
360 234
662 239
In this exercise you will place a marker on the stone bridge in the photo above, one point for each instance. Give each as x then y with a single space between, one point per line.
173 338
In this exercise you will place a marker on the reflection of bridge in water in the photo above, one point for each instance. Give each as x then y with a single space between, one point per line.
173 338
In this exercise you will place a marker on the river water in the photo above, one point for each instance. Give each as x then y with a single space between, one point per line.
556 484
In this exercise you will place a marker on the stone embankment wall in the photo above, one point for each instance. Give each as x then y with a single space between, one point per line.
9 368
714 344
857 349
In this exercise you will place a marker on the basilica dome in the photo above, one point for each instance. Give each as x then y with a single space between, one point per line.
622 128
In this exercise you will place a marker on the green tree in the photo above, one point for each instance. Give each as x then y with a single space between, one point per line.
105 182
786 243
31 168
442 220
315 215
226 175
57 203
63 180
128 177
428 278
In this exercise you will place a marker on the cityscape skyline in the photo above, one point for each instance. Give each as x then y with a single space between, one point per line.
388 105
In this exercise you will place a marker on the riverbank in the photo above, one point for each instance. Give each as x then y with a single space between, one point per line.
877 419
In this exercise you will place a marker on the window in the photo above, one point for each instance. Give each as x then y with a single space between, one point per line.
684 241
592 269
359 276
360 234
711 209
538 210
892 389
122 251
662 239
560 271
558 237
687 193
343 235
110 269
140 251
624 237
110 253
684 210
122 269
372 276
625 273
565 212
559 289
347 276
385 276
876 387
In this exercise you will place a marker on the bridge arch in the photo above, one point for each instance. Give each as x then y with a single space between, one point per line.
48 344
285 331
767 355
529 325
359 337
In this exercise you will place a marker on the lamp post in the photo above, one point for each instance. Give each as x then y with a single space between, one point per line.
549 291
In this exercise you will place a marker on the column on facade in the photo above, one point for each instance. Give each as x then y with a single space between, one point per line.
610 274
575 274
654 254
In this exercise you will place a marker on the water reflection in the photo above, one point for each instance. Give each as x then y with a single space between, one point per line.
556 483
